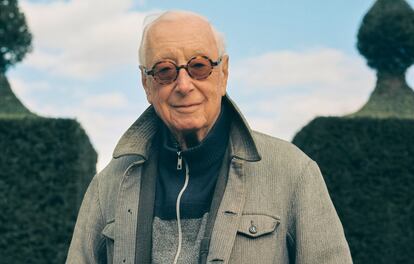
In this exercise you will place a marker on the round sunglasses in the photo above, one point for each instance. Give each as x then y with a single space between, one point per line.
166 72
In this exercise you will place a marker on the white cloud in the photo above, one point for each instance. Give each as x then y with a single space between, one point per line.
83 39
282 91
24 89
284 69
106 101
292 113
21 87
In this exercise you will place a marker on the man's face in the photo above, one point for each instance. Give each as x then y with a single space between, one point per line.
186 105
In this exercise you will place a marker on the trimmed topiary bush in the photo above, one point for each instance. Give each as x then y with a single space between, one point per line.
45 167
386 40
45 164
368 166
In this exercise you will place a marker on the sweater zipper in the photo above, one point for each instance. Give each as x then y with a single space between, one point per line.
179 161
177 205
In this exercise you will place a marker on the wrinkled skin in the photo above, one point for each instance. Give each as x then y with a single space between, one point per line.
187 106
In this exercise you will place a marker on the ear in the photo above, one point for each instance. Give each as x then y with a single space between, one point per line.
224 72
146 84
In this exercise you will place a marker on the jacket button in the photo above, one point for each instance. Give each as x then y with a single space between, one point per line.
253 229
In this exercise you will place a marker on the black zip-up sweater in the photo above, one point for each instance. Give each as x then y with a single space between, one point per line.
204 162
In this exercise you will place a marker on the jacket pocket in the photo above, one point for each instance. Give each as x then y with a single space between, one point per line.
257 225
108 233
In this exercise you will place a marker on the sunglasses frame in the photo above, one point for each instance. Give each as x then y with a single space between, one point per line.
179 67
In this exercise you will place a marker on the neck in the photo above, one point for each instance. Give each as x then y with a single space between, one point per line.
189 140
198 154
192 138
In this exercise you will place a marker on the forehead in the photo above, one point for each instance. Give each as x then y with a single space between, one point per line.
180 39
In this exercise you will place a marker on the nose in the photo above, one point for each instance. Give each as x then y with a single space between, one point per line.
184 82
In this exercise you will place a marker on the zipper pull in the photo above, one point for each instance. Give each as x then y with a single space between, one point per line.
179 161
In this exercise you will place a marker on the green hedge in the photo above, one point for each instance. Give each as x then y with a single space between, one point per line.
45 167
368 166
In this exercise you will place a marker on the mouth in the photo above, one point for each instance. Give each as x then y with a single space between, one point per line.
186 107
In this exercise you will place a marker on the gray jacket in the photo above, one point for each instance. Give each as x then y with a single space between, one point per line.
275 208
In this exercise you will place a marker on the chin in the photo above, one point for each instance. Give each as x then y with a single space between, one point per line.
189 127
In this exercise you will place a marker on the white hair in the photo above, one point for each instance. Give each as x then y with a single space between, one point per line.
174 14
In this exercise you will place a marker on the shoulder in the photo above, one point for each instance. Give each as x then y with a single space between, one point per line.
279 151
108 181
116 167
113 173
282 170
281 161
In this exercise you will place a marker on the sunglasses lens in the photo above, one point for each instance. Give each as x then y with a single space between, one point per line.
199 68
165 72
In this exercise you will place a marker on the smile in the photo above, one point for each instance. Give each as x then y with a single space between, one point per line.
186 108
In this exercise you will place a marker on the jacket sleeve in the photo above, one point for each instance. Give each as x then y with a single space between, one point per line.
88 244
318 233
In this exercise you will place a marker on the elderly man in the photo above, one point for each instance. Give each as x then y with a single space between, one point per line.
189 181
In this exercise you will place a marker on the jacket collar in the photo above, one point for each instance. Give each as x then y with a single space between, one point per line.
137 139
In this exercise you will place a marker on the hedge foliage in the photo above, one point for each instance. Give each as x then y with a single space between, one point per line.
45 167
368 166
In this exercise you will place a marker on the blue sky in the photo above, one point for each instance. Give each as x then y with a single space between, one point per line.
289 61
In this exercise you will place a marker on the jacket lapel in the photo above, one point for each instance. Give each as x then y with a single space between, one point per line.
242 150
228 215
